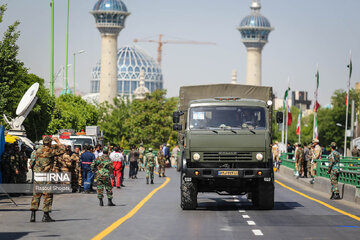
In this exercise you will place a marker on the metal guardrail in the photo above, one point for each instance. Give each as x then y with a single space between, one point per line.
349 168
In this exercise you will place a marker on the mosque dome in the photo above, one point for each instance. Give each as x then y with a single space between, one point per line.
110 5
130 62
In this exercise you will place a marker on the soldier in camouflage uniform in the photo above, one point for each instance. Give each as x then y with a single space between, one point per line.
149 165
334 170
14 164
23 164
76 172
103 168
65 163
299 159
141 151
316 155
161 161
44 163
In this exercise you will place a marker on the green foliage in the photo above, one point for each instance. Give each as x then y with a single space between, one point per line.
145 121
14 82
112 121
72 112
327 120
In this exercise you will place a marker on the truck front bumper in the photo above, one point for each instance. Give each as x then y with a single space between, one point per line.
233 173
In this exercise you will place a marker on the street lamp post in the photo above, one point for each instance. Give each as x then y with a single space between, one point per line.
67 46
52 50
79 52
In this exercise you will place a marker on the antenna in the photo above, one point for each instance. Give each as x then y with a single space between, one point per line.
27 102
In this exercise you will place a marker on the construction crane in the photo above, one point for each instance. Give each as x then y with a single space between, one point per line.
161 42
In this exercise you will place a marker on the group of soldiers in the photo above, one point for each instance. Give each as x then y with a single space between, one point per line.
14 163
305 158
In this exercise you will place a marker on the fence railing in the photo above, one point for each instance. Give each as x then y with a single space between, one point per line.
349 168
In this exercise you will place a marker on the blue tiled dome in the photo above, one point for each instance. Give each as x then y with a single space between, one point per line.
110 5
255 20
130 61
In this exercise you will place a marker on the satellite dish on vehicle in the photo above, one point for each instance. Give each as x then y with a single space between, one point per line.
27 99
27 102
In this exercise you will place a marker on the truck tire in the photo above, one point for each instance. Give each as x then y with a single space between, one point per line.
265 196
188 195
178 163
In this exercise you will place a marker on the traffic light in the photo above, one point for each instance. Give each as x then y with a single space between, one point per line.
279 117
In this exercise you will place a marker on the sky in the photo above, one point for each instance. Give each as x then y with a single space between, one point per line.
307 33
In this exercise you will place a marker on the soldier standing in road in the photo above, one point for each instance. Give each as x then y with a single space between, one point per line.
76 172
299 159
307 160
317 152
103 168
23 165
334 170
149 165
14 164
161 161
141 151
65 164
44 163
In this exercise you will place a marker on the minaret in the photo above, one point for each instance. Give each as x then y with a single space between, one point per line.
110 18
234 77
141 91
254 30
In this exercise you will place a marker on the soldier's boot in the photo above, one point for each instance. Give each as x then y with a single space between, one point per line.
147 180
159 174
47 218
79 190
152 181
101 202
332 195
337 196
33 216
110 203
164 175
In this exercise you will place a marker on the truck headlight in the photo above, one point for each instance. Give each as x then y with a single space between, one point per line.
196 156
259 156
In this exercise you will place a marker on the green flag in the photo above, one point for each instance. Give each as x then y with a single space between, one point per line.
285 97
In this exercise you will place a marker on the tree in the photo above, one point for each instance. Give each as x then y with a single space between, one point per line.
15 81
72 112
150 120
112 121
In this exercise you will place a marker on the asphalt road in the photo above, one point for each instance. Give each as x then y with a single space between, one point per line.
217 217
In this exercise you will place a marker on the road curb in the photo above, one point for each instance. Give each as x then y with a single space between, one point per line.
348 192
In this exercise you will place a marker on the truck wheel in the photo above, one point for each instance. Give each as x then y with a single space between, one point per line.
265 196
178 163
188 195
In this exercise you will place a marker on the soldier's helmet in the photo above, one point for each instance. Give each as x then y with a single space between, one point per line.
150 149
333 144
315 140
47 140
105 149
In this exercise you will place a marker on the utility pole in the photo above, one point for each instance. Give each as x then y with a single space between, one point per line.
52 50
67 48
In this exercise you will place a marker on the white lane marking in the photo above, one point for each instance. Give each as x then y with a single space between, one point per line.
251 222
242 211
257 232
226 229
245 216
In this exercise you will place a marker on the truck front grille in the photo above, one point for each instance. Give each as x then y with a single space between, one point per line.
227 156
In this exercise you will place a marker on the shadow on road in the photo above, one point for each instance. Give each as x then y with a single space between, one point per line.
13 235
72 219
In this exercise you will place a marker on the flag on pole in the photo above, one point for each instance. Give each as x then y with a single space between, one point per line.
286 104
316 133
316 104
298 126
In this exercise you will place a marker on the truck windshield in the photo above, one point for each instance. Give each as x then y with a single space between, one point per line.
82 141
227 117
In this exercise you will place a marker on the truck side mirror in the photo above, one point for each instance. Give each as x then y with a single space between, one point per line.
279 117
176 117
177 127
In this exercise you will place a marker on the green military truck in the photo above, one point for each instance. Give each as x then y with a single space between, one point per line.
225 136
